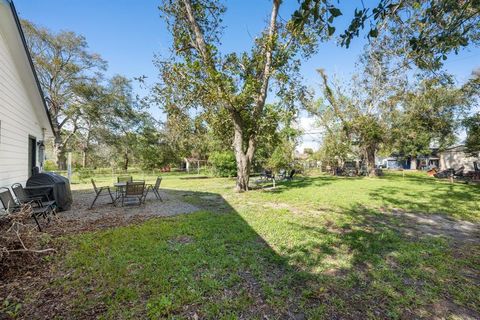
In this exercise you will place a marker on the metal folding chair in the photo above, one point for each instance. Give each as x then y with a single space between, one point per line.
98 193
10 206
135 190
24 198
156 188
125 179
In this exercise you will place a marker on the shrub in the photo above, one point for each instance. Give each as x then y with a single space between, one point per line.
103 171
281 158
49 165
84 173
223 163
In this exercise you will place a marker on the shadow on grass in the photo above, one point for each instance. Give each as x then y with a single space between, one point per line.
462 201
298 182
366 263
219 263
194 177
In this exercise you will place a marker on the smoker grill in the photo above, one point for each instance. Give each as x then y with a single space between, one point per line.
56 186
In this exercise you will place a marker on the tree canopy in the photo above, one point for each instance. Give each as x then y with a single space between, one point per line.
233 87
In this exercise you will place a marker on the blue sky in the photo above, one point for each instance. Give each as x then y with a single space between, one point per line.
127 34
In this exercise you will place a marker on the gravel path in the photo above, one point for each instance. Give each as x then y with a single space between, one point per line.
104 215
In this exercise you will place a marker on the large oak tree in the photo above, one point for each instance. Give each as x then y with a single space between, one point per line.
235 86
65 67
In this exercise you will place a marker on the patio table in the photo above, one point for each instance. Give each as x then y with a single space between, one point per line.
45 191
119 190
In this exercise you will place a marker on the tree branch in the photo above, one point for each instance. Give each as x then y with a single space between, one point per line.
266 73
201 45
268 51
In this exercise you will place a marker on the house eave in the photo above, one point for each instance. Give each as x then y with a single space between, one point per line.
48 128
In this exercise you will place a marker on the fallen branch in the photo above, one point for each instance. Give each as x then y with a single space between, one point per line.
32 250
17 233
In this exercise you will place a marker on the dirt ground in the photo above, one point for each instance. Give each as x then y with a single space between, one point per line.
417 224
104 215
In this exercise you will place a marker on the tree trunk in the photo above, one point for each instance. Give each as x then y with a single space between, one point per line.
125 166
86 146
243 172
243 159
60 153
84 157
60 145
370 158
243 156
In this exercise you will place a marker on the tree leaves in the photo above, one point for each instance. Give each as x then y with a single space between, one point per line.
331 30
335 12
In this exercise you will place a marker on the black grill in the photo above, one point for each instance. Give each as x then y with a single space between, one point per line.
56 186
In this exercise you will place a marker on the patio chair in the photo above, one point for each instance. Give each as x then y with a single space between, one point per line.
10 206
292 173
24 198
135 190
459 172
155 188
476 166
98 193
124 179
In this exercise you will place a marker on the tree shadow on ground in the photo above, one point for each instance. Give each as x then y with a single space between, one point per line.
388 266
297 183
455 198
219 263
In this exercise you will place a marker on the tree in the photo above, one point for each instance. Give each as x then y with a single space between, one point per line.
472 142
152 147
308 151
91 100
223 163
420 31
281 157
361 108
431 114
187 135
122 119
236 85
336 148
472 123
63 63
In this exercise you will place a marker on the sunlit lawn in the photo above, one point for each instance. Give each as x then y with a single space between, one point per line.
316 247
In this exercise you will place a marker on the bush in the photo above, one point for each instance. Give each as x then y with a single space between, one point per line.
49 165
84 174
103 171
223 163
281 158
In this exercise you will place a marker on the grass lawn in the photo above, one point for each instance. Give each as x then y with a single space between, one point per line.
316 247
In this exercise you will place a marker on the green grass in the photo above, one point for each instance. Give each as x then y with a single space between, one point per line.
411 191
318 247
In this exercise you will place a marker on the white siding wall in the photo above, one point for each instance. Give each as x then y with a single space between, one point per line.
456 158
18 121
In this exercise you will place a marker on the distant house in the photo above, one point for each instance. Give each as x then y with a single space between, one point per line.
393 162
455 157
24 120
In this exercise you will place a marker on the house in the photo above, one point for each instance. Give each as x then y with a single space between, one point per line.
24 119
393 162
456 157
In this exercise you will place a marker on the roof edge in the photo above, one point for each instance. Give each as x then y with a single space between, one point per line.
30 61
